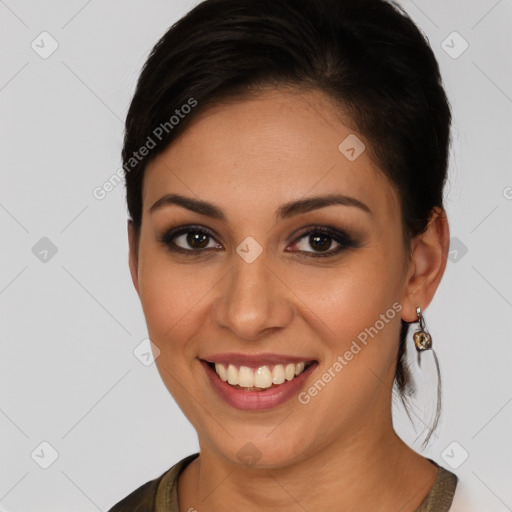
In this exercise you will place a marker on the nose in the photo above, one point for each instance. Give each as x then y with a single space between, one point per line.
253 301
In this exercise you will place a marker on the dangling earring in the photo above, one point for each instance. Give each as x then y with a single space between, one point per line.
423 341
422 338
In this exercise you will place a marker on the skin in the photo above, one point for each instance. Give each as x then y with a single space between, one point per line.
249 157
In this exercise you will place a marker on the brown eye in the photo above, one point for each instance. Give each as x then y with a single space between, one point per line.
320 242
189 240
197 240
321 239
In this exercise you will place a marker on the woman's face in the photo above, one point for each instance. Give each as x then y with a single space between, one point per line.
250 279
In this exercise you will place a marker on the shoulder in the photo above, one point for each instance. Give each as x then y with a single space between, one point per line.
143 499
454 494
440 496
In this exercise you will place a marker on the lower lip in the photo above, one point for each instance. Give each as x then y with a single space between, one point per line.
258 400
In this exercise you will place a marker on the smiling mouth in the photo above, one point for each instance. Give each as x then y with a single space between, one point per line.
258 378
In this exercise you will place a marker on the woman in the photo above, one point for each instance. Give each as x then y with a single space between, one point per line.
285 164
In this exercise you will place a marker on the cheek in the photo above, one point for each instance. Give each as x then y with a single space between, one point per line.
359 346
171 298
351 297
354 310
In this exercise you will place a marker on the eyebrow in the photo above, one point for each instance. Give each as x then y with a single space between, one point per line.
284 211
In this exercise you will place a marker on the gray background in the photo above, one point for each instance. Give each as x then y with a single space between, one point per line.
70 321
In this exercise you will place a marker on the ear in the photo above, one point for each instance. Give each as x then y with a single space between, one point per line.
133 255
427 265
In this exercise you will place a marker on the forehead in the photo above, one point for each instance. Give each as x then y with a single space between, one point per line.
273 147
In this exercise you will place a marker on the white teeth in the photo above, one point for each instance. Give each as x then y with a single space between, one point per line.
289 371
261 377
232 375
278 374
245 377
221 371
299 368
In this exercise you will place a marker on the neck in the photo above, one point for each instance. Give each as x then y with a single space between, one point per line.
367 470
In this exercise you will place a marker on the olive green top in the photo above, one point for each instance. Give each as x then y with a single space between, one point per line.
161 494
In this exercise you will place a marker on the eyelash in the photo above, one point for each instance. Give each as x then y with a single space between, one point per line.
345 241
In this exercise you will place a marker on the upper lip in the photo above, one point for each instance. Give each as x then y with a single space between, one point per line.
254 359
